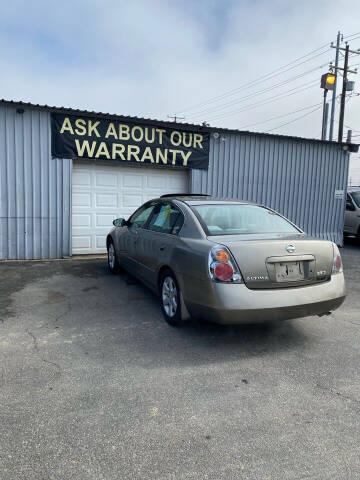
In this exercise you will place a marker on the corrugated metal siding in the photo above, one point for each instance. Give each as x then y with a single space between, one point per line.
35 190
296 178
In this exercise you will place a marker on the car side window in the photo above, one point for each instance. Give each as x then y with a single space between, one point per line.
356 198
349 203
167 219
141 216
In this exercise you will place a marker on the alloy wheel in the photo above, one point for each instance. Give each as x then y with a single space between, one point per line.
111 256
169 296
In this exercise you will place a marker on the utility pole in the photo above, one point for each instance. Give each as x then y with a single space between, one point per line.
327 83
324 117
344 85
343 94
175 117
326 113
333 100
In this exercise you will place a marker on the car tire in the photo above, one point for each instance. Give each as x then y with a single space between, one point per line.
113 262
170 298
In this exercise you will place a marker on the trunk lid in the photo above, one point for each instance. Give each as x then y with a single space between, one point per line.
278 260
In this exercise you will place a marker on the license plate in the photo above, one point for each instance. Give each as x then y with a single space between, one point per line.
289 271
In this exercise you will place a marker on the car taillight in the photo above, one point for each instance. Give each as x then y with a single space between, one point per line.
337 262
222 267
224 271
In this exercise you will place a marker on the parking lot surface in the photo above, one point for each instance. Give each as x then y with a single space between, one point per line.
95 385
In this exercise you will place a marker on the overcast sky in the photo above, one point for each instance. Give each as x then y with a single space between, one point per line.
151 58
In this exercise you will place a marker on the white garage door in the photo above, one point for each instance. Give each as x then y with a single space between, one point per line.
101 193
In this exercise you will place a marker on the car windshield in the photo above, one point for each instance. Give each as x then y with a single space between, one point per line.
230 219
356 197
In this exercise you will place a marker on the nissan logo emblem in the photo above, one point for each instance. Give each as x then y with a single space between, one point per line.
290 248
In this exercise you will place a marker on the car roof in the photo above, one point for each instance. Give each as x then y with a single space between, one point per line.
220 201
354 189
204 200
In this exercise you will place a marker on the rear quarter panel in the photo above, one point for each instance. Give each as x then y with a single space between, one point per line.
189 260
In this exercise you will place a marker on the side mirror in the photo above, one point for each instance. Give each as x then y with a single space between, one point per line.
350 207
119 222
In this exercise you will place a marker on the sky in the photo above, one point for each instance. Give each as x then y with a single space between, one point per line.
204 60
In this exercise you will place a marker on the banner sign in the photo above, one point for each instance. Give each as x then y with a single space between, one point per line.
103 139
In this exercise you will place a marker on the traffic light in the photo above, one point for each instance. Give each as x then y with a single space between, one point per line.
328 81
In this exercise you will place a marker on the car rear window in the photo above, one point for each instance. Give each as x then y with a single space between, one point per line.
227 219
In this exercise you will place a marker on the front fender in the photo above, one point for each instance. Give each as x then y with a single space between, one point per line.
111 236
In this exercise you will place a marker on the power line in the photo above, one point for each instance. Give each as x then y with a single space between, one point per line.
241 99
280 116
277 71
348 126
295 120
351 39
211 110
266 101
352 35
351 128
273 76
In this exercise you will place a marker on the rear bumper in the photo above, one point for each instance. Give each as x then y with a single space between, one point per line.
236 304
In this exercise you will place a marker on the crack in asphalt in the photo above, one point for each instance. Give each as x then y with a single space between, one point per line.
338 394
35 342
37 350
58 317
68 310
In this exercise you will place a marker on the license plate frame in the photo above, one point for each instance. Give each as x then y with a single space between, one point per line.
289 272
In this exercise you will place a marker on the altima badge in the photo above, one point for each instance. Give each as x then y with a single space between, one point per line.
290 248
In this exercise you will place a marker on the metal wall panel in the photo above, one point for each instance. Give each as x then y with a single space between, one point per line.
35 190
295 177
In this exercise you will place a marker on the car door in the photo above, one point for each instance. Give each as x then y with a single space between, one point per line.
351 216
127 236
158 240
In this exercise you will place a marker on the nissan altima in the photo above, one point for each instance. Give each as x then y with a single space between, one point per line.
226 261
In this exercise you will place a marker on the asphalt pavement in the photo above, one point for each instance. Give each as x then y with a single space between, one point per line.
95 385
